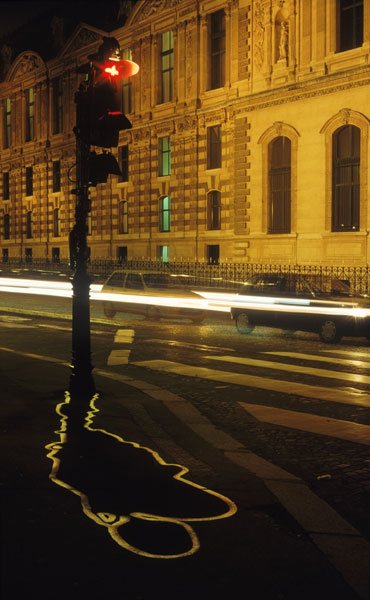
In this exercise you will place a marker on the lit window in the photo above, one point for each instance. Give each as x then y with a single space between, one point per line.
164 253
166 66
164 158
346 179
165 213
127 85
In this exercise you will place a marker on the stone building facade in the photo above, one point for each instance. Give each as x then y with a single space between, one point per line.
249 140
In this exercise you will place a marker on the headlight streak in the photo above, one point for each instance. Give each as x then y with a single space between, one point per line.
207 301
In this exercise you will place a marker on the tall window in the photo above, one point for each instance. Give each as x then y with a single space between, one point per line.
351 24
123 217
346 179
163 253
217 49
30 114
29 224
57 105
166 66
56 222
279 185
6 226
214 210
165 213
123 162
7 127
56 176
214 147
29 181
164 158
127 85
6 187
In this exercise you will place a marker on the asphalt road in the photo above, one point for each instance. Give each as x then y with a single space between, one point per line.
298 405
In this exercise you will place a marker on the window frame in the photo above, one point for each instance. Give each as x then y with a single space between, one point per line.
214 210
123 157
127 85
57 105
56 187
123 217
346 15
56 222
29 181
217 49
7 123
6 185
166 71
279 190
6 226
29 224
164 214
164 156
30 114
346 193
214 147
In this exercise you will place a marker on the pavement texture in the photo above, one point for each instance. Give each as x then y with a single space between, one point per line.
134 494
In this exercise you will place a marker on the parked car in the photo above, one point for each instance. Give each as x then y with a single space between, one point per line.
319 304
159 295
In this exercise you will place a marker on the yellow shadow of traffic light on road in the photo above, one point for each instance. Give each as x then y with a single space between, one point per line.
145 503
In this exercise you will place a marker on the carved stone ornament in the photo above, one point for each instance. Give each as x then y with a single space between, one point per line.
345 114
141 135
28 63
154 6
84 38
259 34
186 124
278 127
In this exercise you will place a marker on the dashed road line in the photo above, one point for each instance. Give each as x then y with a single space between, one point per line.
118 357
345 430
341 395
124 336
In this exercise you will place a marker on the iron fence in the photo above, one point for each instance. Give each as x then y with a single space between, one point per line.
223 275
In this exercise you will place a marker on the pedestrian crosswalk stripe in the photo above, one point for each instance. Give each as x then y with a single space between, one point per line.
266 364
340 395
317 358
345 430
354 353
118 357
124 336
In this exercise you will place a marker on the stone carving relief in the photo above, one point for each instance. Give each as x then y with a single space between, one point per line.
259 34
189 60
151 8
84 38
186 124
141 135
28 63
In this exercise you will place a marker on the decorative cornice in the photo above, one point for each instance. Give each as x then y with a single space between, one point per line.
25 64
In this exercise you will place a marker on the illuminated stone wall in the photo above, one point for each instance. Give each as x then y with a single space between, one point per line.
285 75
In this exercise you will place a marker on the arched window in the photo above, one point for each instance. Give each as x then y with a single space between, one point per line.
214 210
346 179
279 157
165 213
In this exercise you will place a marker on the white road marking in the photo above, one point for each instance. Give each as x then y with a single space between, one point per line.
354 353
11 318
124 336
118 357
266 364
201 347
340 395
315 357
345 430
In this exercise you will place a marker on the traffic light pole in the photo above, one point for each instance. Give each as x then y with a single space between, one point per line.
81 380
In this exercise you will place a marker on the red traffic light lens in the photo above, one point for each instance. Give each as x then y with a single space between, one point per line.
121 68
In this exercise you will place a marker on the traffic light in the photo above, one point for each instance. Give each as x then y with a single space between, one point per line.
104 95
100 166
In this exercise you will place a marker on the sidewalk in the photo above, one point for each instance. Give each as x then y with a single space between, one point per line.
113 517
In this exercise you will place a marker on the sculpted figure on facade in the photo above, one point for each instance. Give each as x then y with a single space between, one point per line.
259 35
283 43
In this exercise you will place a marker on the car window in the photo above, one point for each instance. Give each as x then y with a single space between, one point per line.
116 280
260 284
157 280
134 282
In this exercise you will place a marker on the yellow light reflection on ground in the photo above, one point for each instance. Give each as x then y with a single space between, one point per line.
83 446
